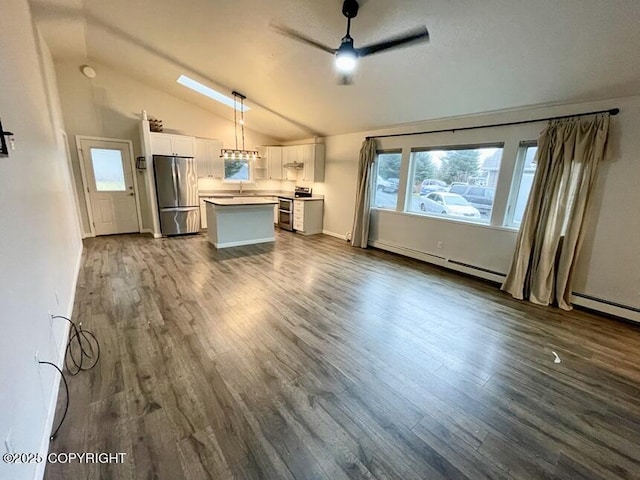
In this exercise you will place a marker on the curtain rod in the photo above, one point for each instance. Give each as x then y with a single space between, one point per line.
611 111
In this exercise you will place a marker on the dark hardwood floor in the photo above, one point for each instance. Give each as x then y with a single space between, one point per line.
309 359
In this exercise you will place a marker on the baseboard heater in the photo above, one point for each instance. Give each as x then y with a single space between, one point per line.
608 307
481 272
480 269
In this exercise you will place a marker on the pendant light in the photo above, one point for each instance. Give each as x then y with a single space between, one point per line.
236 153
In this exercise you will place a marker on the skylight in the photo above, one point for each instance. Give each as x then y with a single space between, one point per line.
210 92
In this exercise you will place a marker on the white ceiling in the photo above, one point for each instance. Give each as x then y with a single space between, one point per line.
484 55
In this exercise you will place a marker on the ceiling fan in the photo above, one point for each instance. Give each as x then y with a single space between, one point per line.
346 55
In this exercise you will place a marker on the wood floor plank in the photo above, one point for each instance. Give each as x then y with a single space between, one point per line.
309 359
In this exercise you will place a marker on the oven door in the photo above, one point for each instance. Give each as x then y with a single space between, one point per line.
285 219
285 204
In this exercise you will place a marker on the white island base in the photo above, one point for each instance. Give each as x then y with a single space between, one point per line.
233 222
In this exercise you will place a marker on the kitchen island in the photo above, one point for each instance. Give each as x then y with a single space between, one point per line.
234 222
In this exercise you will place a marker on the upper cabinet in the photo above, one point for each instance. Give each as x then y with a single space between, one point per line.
313 160
303 162
291 162
172 145
274 162
207 155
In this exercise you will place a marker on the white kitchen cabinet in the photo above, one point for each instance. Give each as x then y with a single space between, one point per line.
307 216
207 155
203 214
313 158
274 162
170 144
292 162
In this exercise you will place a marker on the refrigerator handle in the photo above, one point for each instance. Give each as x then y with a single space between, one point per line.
177 167
175 179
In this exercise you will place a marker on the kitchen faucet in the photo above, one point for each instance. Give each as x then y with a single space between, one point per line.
240 186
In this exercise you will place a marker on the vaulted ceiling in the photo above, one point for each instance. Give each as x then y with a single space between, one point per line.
483 56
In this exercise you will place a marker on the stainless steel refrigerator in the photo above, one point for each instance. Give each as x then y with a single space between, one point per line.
177 192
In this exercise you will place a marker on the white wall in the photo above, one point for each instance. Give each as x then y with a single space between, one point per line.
609 266
110 105
40 244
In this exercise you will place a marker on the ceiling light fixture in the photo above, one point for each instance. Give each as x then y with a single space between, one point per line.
88 71
236 153
346 56
209 92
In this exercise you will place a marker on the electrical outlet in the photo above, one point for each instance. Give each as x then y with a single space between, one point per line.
8 442
440 245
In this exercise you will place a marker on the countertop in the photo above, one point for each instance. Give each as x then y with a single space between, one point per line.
256 193
239 201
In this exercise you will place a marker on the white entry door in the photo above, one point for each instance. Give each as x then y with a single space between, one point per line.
109 184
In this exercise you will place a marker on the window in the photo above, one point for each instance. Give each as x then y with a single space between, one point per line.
210 92
523 180
108 170
457 183
386 180
236 170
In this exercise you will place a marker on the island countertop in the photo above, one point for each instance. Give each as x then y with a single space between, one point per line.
239 201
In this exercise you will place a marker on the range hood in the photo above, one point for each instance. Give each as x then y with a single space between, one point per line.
296 165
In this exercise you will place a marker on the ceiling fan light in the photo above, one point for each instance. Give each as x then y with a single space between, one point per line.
346 62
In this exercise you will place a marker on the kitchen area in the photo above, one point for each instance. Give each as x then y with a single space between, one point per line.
195 188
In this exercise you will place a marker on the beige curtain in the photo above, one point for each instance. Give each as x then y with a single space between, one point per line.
360 229
551 232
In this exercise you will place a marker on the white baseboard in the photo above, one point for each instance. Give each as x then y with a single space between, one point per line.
51 411
333 234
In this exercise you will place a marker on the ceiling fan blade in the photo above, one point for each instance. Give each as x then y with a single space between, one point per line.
416 35
289 32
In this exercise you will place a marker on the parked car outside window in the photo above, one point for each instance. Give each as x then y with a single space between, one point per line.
390 185
480 197
429 185
445 203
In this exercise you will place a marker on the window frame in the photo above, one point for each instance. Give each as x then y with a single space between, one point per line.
516 182
237 180
412 171
374 179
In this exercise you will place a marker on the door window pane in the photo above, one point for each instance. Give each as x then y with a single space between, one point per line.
523 184
108 170
457 183
386 180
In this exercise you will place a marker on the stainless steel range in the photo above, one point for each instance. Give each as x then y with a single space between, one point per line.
302 192
285 207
